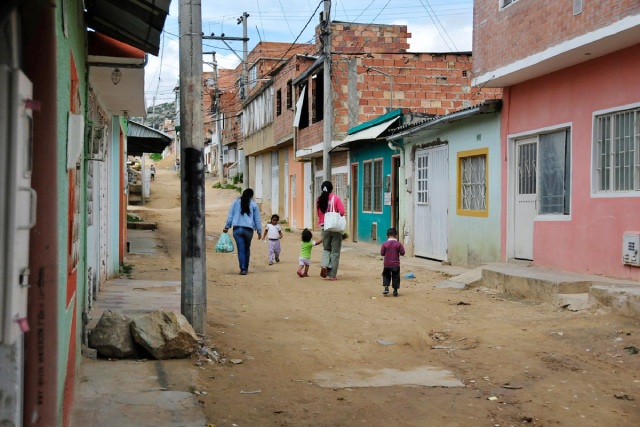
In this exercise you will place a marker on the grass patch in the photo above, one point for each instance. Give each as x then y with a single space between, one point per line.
227 187
126 269
133 218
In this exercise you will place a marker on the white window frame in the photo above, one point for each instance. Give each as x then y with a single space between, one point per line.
505 3
633 156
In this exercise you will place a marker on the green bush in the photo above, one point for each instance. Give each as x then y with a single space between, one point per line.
155 156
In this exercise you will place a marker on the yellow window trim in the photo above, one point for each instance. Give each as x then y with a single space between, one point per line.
472 153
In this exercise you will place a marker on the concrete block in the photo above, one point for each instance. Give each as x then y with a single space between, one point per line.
620 299
572 302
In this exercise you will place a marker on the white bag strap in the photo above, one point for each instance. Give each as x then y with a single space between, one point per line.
331 207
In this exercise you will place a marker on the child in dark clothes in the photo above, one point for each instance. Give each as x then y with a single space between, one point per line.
391 250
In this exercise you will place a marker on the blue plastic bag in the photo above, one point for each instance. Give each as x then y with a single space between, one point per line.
224 244
409 276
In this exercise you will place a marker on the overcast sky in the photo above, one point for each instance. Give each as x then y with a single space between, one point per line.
435 25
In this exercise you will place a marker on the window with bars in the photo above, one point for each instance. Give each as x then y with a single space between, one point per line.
279 102
372 186
422 180
367 168
504 3
289 95
617 151
377 185
472 182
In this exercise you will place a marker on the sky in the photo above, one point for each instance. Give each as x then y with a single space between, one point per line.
435 26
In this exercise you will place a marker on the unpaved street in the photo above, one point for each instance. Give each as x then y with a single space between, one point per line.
321 353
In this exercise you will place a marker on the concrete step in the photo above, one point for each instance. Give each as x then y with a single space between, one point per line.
564 290
142 225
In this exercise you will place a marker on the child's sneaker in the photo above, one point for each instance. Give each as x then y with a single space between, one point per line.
277 259
300 274
395 292
270 262
386 290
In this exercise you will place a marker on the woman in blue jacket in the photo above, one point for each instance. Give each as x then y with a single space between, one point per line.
244 216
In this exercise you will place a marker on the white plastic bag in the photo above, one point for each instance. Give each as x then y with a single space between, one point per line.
333 221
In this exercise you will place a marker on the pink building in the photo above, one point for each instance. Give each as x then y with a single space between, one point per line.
570 129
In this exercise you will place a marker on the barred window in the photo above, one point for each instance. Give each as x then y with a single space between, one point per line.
617 151
366 186
377 185
473 181
422 168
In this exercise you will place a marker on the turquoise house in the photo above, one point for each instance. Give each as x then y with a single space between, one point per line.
374 178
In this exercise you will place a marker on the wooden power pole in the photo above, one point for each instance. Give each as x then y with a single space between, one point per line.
328 94
193 301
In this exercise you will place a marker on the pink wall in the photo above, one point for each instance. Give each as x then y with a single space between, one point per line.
591 242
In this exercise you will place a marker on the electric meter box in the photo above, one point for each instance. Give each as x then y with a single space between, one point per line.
630 247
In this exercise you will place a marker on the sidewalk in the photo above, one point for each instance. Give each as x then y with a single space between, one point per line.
145 393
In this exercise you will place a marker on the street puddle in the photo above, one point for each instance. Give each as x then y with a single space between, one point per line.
424 376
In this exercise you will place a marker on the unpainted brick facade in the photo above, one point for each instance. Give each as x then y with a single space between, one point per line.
370 65
502 36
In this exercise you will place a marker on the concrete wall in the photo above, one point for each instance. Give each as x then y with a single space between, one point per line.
590 239
472 240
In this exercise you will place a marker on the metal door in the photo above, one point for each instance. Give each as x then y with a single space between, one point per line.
354 201
275 183
286 185
431 201
525 210
258 190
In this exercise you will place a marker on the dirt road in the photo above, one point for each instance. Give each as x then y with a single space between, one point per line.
321 353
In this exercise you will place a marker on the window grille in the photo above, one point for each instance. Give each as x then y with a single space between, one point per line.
617 151
377 186
527 168
422 181
366 186
473 183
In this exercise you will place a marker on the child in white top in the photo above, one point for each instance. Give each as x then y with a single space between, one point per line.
273 233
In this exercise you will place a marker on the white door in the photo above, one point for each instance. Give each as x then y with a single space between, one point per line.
258 190
275 183
308 196
431 202
525 198
286 184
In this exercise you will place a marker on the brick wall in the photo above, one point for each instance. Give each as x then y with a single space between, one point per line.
283 124
503 36
422 82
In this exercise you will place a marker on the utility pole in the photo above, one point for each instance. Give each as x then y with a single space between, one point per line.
193 300
328 95
245 81
216 116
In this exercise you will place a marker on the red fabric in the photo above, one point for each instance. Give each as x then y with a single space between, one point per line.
337 207
391 250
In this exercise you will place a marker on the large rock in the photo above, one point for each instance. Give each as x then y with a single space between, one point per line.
112 336
166 335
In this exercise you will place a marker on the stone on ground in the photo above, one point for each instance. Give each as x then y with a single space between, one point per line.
112 336
165 334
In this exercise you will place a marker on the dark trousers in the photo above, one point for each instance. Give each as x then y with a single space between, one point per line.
391 275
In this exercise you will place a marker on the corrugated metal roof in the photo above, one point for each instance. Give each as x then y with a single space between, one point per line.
143 139
136 23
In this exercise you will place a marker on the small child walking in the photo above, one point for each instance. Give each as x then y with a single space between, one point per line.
391 250
273 233
305 252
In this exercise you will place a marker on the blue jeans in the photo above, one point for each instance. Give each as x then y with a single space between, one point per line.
243 236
